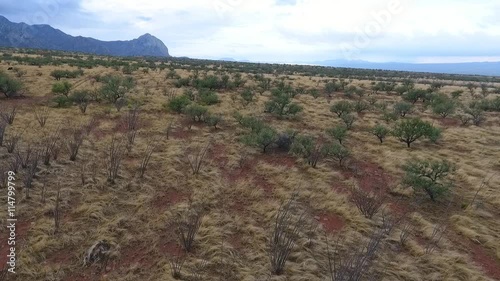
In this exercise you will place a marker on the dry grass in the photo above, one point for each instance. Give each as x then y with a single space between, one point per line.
239 200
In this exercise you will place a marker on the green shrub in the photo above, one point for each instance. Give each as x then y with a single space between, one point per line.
62 88
360 106
341 107
247 95
403 108
9 86
309 148
430 177
61 101
178 103
348 120
207 97
81 98
338 152
196 112
281 104
410 130
380 132
213 120
338 132
262 139
442 105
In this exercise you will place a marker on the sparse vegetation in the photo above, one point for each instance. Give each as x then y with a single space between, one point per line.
208 208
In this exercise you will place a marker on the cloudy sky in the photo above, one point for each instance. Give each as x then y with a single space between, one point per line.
285 30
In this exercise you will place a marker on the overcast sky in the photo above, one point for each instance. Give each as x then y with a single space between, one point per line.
284 30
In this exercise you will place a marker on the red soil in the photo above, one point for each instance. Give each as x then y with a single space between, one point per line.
168 198
487 262
331 222
370 176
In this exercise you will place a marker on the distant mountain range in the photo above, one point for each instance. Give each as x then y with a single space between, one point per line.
477 68
21 35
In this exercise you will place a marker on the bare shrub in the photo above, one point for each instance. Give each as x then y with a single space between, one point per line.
152 146
187 224
91 125
83 167
114 158
284 235
75 140
12 142
3 177
3 126
132 125
30 173
57 212
49 146
437 234
25 157
8 115
42 116
196 156
406 230
176 265
169 128
354 264
368 203
14 164
43 193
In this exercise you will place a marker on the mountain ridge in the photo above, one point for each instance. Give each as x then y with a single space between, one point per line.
43 36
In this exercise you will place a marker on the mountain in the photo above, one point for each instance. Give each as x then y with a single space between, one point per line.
477 68
21 35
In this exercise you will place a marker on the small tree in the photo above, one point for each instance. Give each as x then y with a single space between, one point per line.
410 130
360 106
429 176
213 120
196 112
115 87
338 132
281 104
442 105
81 98
262 139
9 86
348 120
247 95
415 95
62 88
471 87
380 131
477 115
338 152
341 108
403 108
309 148
178 104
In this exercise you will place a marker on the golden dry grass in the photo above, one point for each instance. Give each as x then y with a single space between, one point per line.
134 213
